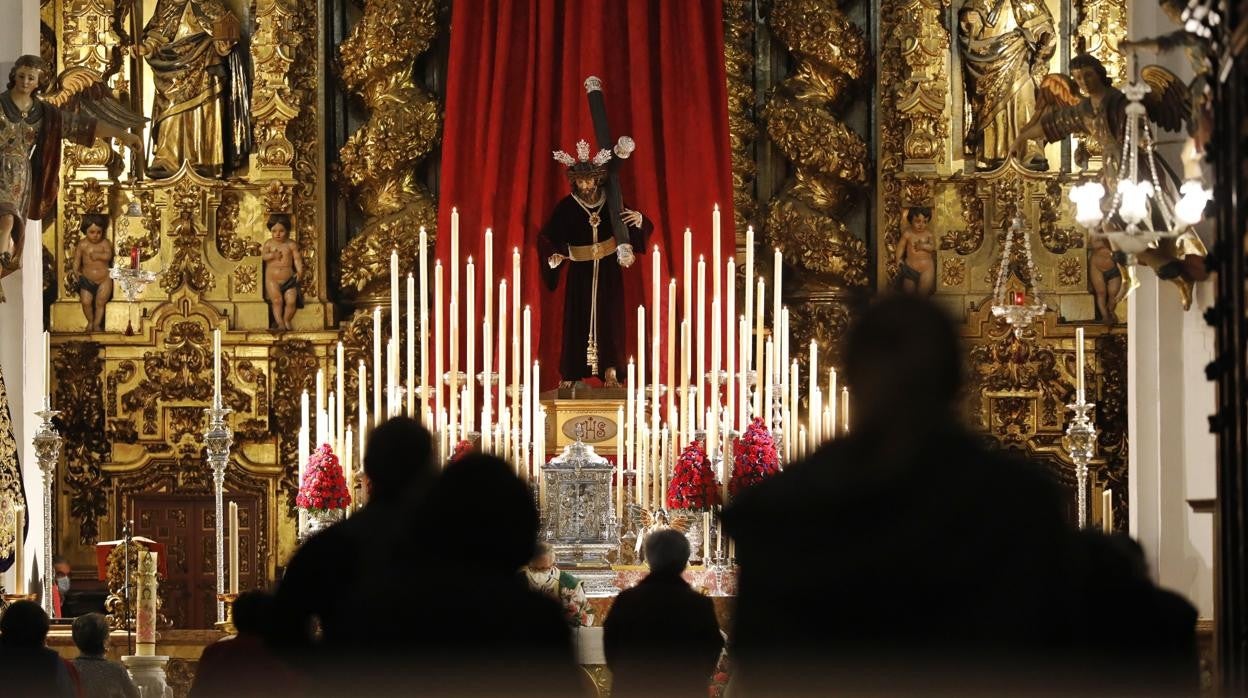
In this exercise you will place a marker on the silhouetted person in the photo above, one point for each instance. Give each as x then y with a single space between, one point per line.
99 676
323 579
1140 639
244 665
471 625
661 637
27 666
927 563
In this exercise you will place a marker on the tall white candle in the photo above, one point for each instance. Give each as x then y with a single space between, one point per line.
454 261
410 344
424 324
470 331
687 299
637 416
304 436
791 412
331 427
730 341
833 404
391 385
787 407
628 424
1107 510
769 362
712 393
362 406
340 390
672 340
812 415
487 291
777 287
348 464
503 415
685 407
438 366
377 376
515 347
526 414
1079 359
487 351
619 462
216 366
763 375
452 391
699 376
536 411
716 254
743 378
320 395
746 360
845 409
234 547
394 294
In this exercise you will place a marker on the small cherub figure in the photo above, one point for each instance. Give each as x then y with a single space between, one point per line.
92 258
282 269
916 254
1105 276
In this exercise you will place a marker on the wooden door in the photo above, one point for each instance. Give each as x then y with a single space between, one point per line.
187 526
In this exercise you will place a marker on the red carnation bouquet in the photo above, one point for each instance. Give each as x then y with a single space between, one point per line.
693 485
324 486
462 449
754 457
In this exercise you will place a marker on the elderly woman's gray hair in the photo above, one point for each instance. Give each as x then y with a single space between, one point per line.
667 551
90 633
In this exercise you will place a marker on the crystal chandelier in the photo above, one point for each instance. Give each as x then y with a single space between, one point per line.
1018 308
1141 210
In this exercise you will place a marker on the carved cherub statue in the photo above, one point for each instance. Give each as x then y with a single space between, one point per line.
1088 104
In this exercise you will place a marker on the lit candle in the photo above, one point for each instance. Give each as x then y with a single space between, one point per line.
699 375
362 405
730 341
424 324
394 294
747 360
502 366
672 339
470 330
340 390
438 366
1079 359
216 367
377 363
134 257
411 346
1107 511
234 547
619 462
763 375
687 299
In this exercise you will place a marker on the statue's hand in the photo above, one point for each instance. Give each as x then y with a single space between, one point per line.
624 253
132 141
555 260
631 217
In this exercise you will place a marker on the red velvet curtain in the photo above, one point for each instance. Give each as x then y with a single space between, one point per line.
515 94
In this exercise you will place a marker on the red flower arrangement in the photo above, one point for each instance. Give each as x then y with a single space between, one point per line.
693 483
324 486
462 449
754 458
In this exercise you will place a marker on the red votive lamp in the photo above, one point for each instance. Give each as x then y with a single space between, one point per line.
1018 298
134 257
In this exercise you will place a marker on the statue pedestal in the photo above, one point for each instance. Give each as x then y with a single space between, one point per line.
148 674
578 518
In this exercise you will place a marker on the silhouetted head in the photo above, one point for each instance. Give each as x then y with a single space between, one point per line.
479 516
667 551
399 457
24 624
253 612
90 633
903 362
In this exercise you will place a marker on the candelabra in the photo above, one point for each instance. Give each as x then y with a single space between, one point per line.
1018 314
1080 443
132 282
218 438
48 452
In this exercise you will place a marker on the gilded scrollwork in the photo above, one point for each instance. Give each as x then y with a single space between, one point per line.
920 83
1069 271
305 133
186 266
1055 237
79 394
293 362
742 128
1102 25
379 160
953 272
275 102
805 220
231 244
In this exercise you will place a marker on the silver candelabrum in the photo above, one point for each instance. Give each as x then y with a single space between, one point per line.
1080 443
218 438
132 283
48 452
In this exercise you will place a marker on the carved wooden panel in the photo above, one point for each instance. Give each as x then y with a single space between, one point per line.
187 525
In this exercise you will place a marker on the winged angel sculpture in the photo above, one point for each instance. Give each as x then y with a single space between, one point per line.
647 521
1087 104
32 126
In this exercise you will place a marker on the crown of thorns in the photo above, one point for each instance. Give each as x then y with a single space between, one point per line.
585 166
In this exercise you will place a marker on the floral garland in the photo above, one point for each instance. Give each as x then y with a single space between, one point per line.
754 458
324 486
693 485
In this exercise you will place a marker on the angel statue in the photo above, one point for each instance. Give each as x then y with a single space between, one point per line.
657 520
1005 46
201 113
31 129
1087 104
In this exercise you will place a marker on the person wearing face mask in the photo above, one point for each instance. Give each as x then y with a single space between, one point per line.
60 585
578 232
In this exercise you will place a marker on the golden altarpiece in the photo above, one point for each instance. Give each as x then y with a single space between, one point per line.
837 132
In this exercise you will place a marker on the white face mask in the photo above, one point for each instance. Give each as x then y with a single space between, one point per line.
62 583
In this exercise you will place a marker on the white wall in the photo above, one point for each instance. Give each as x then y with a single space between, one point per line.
21 322
1172 453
